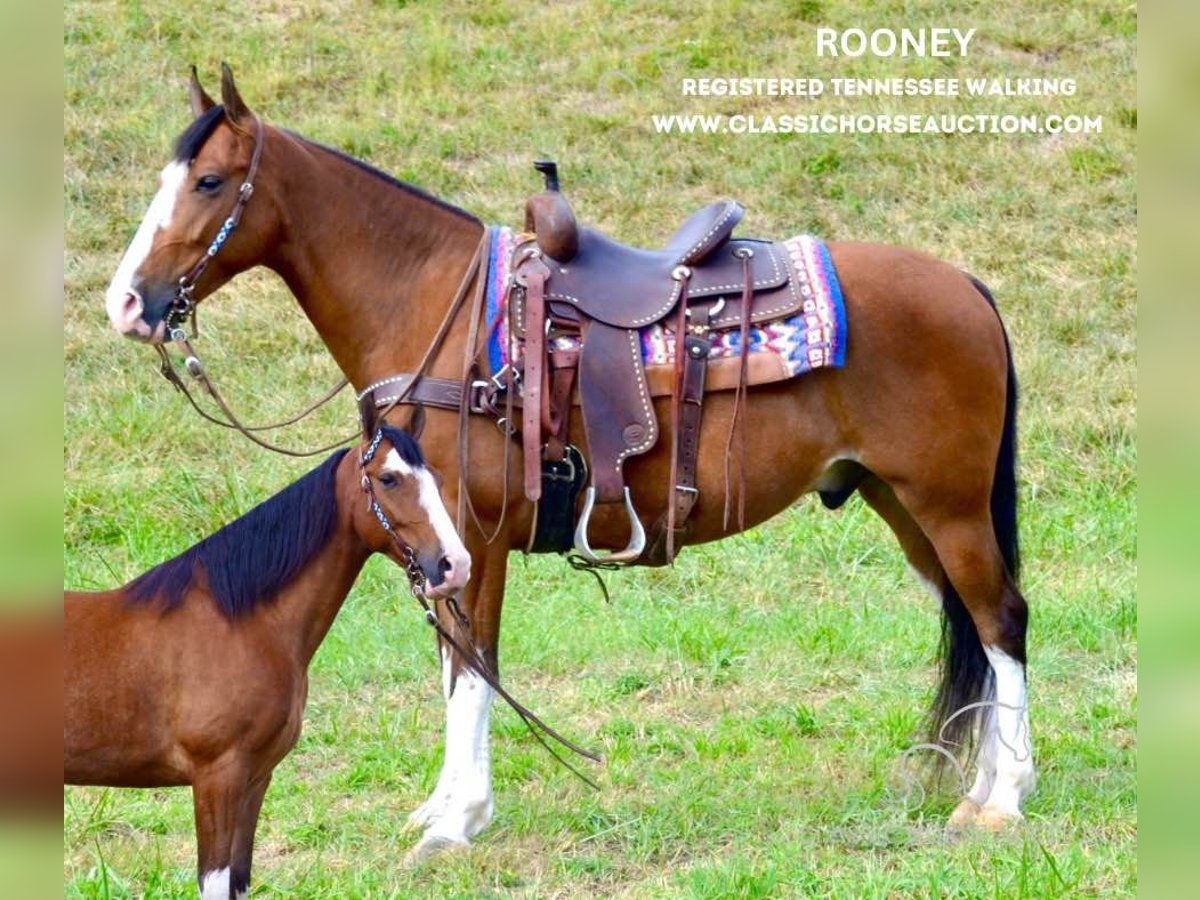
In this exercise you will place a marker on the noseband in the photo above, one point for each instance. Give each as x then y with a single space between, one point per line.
184 303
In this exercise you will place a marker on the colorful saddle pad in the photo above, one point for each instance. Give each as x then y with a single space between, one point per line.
813 338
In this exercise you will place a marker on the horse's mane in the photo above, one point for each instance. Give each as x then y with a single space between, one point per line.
420 193
188 144
405 445
253 557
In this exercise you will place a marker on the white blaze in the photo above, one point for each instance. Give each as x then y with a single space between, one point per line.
430 499
158 216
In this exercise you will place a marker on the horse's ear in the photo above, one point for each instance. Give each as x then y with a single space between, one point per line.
235 107
417 423
201 102
368 415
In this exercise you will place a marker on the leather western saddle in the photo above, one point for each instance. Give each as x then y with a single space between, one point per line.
571 282
578 307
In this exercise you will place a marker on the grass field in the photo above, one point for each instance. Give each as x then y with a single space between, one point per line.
753 703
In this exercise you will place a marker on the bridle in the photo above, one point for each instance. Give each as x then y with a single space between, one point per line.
416 577
183 305
469 653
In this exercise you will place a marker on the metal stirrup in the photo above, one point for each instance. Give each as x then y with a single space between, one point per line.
637 534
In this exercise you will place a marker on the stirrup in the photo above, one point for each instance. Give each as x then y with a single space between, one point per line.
637 534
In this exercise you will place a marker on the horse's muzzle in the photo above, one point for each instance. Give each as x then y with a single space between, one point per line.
131 318
443 576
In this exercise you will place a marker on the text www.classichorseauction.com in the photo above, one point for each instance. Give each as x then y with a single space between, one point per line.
885 43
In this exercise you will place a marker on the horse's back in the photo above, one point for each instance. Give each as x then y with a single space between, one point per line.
908 292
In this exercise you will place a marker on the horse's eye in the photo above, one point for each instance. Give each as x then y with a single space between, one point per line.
208 184
387 479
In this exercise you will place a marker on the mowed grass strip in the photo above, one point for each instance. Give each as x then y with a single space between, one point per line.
754 702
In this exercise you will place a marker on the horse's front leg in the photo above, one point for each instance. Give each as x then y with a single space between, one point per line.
461 804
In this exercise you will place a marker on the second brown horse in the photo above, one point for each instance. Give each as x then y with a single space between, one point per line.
196 672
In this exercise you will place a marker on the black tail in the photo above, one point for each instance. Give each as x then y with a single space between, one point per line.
1004 487
966 674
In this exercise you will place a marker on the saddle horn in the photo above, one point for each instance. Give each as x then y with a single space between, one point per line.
548 215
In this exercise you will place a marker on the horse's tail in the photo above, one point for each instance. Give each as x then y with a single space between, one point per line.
966 675
1004 485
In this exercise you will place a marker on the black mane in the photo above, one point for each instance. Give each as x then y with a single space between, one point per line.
188 144
389 179
405 444
253 557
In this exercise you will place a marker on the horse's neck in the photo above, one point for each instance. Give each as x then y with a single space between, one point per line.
367 258
306 608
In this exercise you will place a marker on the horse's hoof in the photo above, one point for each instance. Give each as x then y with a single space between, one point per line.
423 815
997 820
432 845
964 815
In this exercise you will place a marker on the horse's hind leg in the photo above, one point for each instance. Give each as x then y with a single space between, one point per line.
242 847
921 556
923 559
217 793
986 623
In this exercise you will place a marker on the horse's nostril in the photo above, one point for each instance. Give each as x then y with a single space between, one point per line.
445 567
131 308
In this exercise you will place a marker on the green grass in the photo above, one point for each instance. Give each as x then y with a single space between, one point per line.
753 703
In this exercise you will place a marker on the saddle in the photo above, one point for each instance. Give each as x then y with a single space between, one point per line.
578 304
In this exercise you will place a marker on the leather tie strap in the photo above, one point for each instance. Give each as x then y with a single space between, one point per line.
533 274
737 424
687 438
564 365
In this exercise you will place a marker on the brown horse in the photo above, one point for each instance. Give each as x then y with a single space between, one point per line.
196 672
920 420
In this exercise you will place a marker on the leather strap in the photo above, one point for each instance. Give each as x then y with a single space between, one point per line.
533 274
183 303
196 369
737 424
687 437
470 358
681 317
443 393
399 387
563 367
691 366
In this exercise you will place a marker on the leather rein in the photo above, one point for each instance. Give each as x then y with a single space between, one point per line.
183 306
469 653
